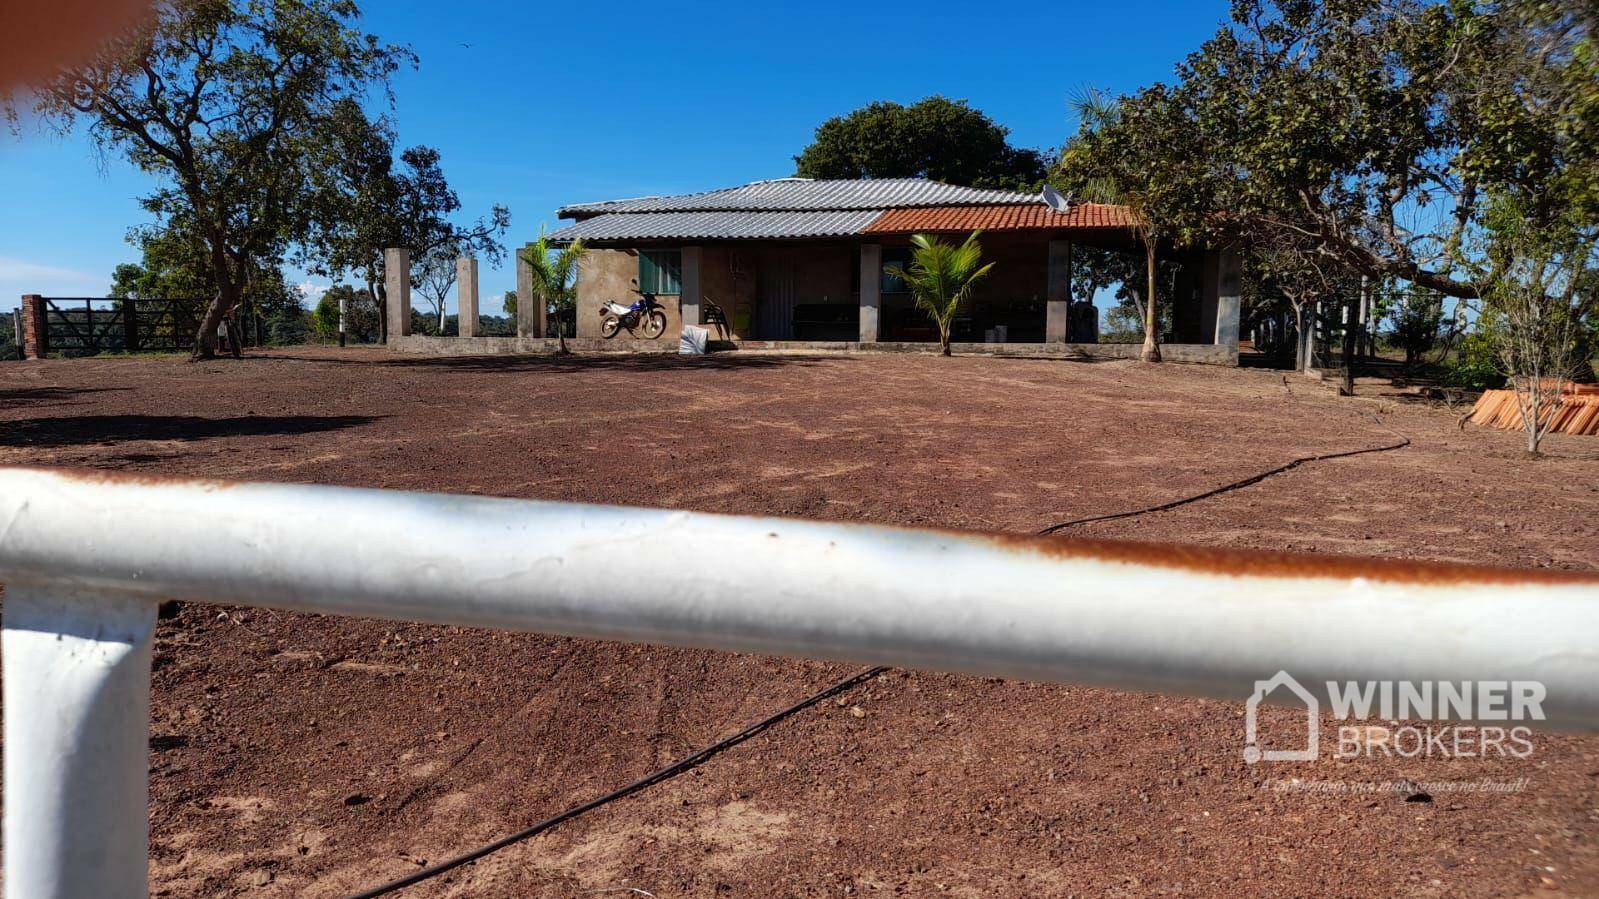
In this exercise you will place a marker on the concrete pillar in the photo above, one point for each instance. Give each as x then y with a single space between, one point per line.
529 309
397 291
466 296
693 296
1058 298
35 336
1229 297
871 290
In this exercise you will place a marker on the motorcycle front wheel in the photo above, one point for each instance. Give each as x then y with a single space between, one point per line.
654 324
609 326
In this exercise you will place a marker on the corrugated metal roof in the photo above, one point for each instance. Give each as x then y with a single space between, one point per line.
803 194
1021 217
717 225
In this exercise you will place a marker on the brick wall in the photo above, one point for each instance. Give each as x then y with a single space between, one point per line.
35 333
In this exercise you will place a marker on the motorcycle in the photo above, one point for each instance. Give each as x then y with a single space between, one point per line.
646 315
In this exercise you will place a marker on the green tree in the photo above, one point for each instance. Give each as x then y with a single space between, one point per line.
1101 164
1417 314
1538 282
554 276
218 99
1292 266
174 266
940 278
289 327
365 200
937 138
1373 129
360 316
434 275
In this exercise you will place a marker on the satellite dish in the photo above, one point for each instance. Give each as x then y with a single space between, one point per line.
1054 200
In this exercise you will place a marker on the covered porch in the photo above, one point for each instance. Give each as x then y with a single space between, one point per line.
839 290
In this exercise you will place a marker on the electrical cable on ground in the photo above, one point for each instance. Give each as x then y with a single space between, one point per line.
1235 485
649 780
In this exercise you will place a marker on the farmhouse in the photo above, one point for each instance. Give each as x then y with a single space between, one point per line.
796 259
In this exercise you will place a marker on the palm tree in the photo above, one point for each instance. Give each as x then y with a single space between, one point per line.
1097 111
554 279
941 277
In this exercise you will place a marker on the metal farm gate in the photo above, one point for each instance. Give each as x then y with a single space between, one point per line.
86 326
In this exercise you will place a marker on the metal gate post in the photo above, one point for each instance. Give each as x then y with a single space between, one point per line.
77 743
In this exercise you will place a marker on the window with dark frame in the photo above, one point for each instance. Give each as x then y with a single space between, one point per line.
894 257
660 271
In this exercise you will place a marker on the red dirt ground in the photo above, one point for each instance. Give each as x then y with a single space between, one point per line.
305 755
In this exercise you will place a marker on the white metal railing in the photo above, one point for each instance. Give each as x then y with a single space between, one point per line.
85 558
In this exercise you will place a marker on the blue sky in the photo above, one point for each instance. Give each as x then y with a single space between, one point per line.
567 103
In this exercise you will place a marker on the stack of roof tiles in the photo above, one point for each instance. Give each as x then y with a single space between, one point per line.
1578 412
803 208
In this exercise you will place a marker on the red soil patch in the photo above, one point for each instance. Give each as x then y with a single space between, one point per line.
308 755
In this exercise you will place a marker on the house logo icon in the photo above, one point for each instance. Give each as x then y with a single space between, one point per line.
1263 688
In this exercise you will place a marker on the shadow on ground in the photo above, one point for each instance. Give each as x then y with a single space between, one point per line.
10 395
93 429
642 362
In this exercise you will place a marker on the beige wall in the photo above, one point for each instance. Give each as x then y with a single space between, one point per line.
608 275
730 276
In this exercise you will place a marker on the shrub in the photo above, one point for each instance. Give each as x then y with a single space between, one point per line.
1474 364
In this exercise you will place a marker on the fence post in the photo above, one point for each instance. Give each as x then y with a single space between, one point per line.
397 290
130 325
77 738
35 337
466 302
529 310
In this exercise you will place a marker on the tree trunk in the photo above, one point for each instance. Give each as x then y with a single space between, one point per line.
205 339
235 336
1151 351
1351 316
379 295
1301 353
943 337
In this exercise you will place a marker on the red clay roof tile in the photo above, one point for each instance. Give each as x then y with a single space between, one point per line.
1021 217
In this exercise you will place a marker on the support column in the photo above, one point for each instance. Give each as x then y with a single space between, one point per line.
871 290
693 297
397 291
1058 297
529 309
1229 298
35 336
130 325
77 737
466 296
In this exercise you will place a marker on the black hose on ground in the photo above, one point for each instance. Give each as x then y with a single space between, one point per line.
649 780
698 758
1235 485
